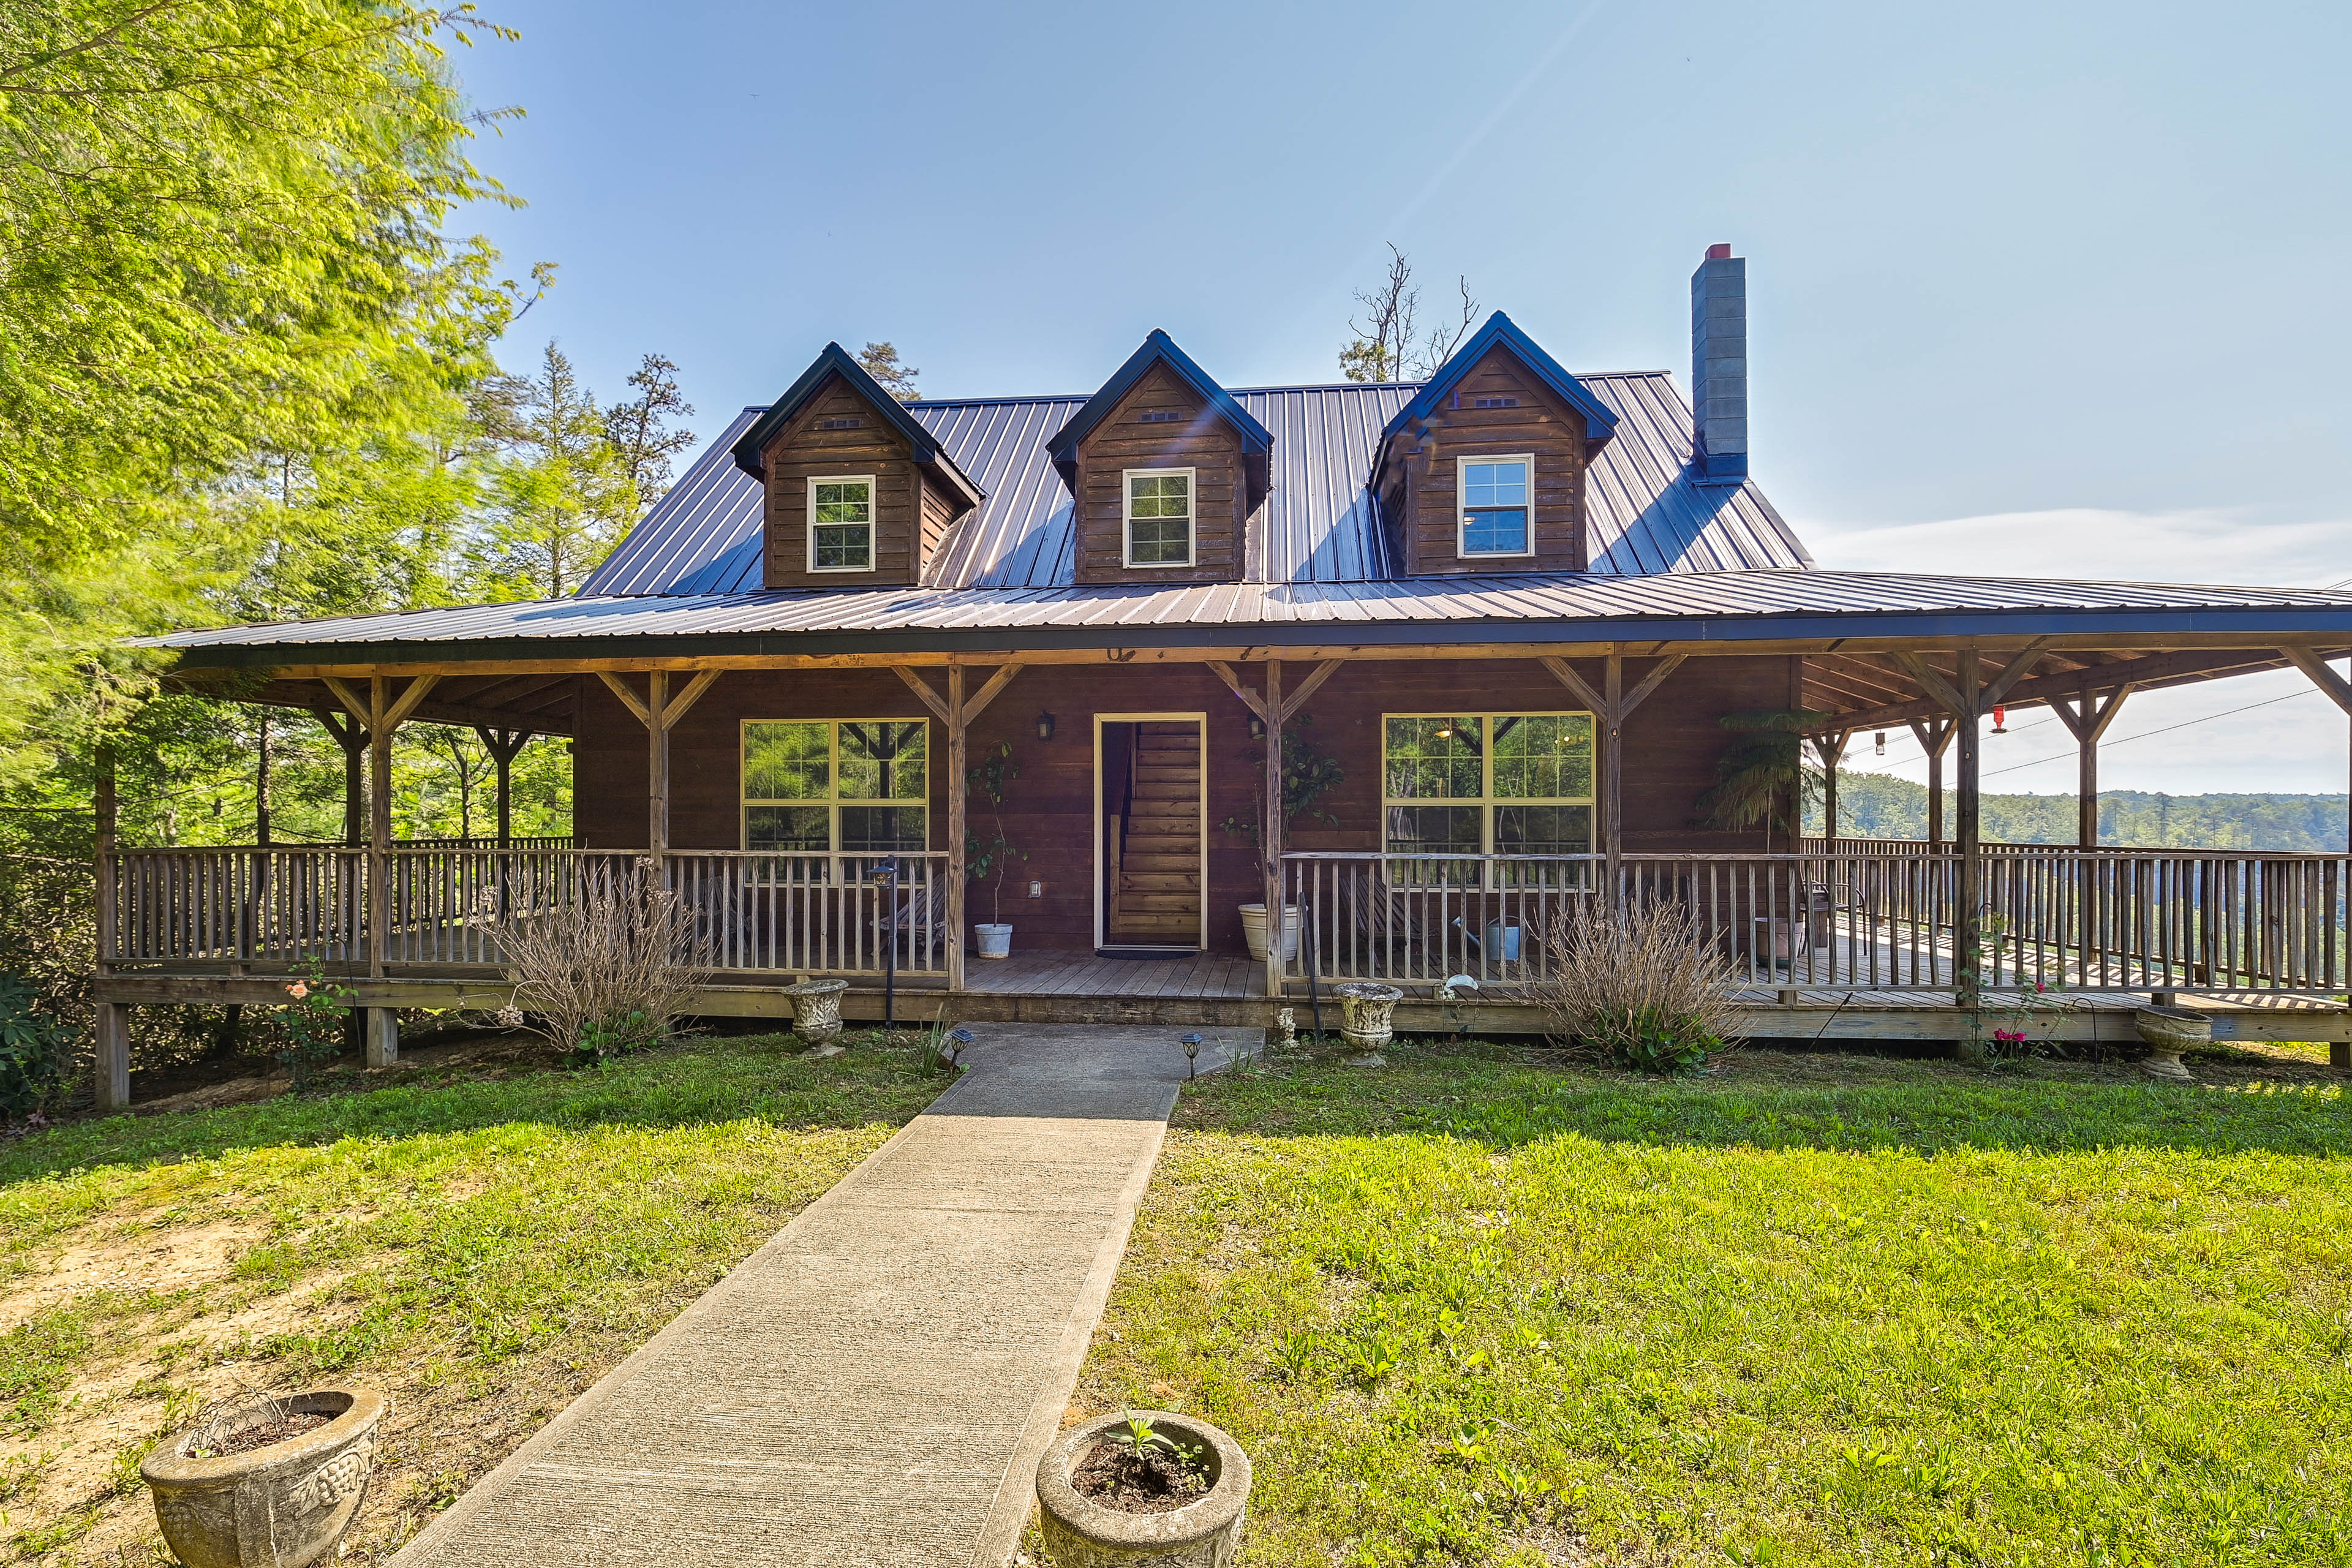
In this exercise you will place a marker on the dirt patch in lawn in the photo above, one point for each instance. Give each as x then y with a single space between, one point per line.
140 1259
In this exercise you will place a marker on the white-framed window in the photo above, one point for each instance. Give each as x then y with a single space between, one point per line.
841 523
855 785
1159 508
1458 784
1496 505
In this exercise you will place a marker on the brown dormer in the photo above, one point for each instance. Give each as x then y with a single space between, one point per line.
1165 469
1484 472
858 493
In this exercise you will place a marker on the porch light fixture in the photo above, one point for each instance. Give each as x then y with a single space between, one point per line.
1045 726
1257 728
1882 743
1192 1044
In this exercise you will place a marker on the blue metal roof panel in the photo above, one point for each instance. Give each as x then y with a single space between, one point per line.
1559 602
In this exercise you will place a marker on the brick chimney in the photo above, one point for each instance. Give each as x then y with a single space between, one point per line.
1719 364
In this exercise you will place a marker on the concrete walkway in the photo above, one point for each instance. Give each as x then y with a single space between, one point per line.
876 1385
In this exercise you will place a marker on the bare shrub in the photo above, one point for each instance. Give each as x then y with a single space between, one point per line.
1642 984
608 969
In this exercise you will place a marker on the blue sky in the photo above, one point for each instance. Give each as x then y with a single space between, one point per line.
2035 288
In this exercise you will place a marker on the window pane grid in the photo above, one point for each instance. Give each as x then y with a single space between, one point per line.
855 785
1511 783
1495 504
1158 519
841 524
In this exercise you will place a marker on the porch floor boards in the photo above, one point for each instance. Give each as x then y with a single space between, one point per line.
1050 973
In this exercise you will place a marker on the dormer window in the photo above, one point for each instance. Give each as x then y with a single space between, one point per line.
1159 517
841 523
1494 517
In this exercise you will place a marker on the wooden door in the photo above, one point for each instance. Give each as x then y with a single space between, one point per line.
1151 842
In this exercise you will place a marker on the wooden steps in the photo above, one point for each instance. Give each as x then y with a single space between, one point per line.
1156 896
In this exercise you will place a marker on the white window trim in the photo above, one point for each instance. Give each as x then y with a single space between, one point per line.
1126 519
1461 505
872 519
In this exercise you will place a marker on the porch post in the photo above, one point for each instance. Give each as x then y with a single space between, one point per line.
1934 737
2087 721
2339 691
1967 923
1277 923
505 746
379 835
657 764
958 791
1613 770
110 1025
1831 749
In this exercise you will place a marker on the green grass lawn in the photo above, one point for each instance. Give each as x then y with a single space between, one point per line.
482 1250
1477 1308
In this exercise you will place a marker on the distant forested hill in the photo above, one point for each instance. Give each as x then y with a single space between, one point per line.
1879 805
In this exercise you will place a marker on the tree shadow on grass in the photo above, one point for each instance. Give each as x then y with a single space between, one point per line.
702 1083
1504 1098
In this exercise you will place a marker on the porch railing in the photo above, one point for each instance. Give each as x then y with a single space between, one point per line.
817 913
1867 920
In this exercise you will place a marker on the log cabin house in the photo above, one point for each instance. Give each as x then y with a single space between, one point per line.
1498 614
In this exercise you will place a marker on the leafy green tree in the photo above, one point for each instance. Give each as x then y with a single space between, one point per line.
640 428
880 360
559 498
221 223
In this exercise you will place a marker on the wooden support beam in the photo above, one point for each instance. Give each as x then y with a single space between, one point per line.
1249 700
353 703
2086 717
1316 677
1565 673
1935 736
2020 662
504 746
1650 683
112 1025
1968 919
971 709
959 761
2338 690
1277 923
1831 749
941 709
1612 761
629 699
657 763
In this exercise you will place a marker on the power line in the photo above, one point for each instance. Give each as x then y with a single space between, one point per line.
2145 734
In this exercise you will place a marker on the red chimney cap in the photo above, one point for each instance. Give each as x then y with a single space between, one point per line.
1718 253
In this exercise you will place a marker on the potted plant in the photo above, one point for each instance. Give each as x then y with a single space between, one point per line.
1144 1486
267 1483
988 862
1308 775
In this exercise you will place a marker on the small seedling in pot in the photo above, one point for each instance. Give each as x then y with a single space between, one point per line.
1141 1438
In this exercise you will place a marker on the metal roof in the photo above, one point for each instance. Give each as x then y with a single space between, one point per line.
1645 509
1729 605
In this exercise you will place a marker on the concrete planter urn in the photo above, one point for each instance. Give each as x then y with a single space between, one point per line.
817 1008
283 1505
1366 1013
2167 1032
1204 1533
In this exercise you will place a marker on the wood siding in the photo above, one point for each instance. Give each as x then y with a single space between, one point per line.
1672 743
939 512
1417 500
803 451
1195 440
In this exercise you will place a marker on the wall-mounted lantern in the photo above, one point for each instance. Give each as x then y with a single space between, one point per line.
1257 728
1045 726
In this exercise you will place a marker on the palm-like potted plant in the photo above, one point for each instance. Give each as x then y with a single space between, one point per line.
1763 780
989 860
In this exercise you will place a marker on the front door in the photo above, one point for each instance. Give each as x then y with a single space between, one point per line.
1150 840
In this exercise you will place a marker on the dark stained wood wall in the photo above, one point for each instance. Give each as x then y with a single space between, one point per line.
1194 440
939 512
1417 502
803 450
1672 744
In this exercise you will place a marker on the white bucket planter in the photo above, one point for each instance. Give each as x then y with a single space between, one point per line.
1204 1533
817 1008
996 941
2167 1032
1366 1013
1254 931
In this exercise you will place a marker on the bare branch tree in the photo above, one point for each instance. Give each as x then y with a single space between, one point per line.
640 428
1389 345
611 969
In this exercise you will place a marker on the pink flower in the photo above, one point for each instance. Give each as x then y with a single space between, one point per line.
297 991
2012 1037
